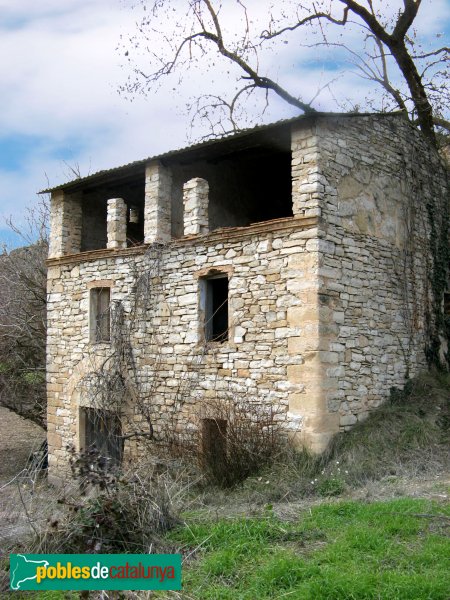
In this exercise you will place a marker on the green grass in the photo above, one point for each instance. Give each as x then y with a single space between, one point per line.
345 550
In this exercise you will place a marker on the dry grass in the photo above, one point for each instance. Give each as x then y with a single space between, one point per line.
406 438
19 486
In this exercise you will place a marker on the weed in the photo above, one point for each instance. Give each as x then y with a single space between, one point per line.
331 486
405 437
112 513
33 377
233 440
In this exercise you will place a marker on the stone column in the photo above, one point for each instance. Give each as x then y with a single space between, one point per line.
65 224
195 199
157 214
117 223
308 183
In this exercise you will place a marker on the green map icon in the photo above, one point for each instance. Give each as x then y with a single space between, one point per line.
23 569
95 572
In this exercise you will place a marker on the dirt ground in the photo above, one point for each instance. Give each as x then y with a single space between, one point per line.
18 438
28 491
18 488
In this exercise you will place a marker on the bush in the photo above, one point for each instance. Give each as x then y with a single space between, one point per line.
23 325
232 440
112 512
406 437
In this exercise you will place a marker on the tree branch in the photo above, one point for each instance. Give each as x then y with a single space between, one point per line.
259 81
369 18
441 122
396 44
445 49
405 19
268 35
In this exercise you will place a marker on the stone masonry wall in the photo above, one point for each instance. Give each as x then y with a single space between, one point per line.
271 273
117 223
195 200
370 181
157 212
65 224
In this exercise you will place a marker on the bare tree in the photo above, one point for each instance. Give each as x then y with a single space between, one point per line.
22 318
175 36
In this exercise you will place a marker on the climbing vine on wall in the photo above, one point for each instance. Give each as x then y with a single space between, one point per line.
423 267
438 327
115 385
119 385
437 203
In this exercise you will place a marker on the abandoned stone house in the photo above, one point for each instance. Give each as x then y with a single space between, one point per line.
288 265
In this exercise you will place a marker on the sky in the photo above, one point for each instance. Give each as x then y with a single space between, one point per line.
64 62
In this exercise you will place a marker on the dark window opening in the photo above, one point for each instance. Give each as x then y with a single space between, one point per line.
103 433
214 448
93 223
100 318
94 212
216 309
270 196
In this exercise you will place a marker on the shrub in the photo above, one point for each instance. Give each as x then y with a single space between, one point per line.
112 512
232 440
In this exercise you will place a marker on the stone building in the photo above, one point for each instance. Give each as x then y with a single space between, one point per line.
291 265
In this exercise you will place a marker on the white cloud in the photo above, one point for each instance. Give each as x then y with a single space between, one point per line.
61 70
60 85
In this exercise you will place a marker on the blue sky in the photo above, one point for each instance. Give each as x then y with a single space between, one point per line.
61 70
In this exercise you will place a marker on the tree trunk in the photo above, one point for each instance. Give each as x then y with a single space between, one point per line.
414 81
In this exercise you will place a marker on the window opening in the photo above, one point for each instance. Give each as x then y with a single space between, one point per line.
216 309
103 432
100 325
238 194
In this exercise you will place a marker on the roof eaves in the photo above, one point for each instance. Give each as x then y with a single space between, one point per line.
169 154
138 164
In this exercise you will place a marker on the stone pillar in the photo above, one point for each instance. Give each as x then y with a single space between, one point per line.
157 214
195 199
65 224
308 183
117 223
134 214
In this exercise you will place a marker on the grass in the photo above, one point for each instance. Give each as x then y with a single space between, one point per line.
345 550
44 595
408 436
